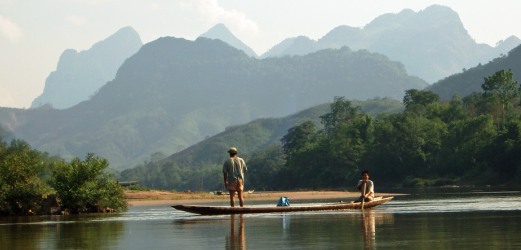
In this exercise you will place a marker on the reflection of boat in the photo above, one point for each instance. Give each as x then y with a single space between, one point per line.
216 210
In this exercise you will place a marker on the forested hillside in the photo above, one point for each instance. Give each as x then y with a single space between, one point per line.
198 167
470 141
174 93
469 81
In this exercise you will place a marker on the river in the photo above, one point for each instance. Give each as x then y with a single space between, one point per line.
435 220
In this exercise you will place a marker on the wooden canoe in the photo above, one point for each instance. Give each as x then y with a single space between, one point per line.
220 210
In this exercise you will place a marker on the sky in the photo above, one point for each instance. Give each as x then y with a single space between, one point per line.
34 33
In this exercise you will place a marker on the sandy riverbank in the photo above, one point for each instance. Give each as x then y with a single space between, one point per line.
154 197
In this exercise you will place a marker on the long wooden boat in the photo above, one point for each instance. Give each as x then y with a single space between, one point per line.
220 210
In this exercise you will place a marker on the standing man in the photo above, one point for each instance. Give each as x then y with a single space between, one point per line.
233 174
368 193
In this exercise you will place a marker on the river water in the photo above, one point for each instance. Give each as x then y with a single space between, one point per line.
444 220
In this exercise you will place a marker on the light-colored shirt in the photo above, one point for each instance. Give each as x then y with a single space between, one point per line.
369 188
234 168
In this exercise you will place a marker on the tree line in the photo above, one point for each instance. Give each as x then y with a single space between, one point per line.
32 183
472 140
475 140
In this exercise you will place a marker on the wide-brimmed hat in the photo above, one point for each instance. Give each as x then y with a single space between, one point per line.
233 150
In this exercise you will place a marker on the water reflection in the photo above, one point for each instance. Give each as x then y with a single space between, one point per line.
369 221
463 221
236 239
91 235
368 229
59 232
285 221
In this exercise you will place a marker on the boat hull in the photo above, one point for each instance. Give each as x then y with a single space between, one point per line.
220 210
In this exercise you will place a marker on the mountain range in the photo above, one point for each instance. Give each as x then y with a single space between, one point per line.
80 74
442 47
462 84
173 93
222 33
259 135
431 43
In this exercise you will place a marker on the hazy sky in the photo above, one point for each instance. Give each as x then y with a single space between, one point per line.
34 33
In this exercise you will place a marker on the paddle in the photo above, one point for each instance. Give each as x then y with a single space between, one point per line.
363 196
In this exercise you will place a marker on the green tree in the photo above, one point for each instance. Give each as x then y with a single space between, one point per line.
348 133
415 100
348 128
299 138
21 190
406 145
83 186
350 139
455 110
341 111
298 145
503 154
501 87
462 152
264 168
327 158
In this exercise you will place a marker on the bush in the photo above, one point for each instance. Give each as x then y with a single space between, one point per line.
83 186
21 190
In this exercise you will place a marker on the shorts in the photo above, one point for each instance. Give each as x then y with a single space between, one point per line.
237 185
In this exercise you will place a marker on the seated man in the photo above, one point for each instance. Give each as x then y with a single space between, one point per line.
368 193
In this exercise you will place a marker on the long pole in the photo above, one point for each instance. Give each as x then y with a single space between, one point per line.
363 195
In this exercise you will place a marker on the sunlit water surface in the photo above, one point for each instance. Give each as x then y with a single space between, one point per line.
449 220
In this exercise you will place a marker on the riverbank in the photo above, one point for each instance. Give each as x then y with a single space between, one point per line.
155 197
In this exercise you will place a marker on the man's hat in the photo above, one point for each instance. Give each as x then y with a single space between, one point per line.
233 150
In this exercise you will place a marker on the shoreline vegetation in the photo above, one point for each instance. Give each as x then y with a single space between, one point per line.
157 197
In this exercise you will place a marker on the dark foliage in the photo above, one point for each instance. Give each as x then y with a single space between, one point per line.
78 186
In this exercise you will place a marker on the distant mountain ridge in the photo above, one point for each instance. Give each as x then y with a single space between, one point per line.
253 137
173 93
80 74
219 31
432 43
470 81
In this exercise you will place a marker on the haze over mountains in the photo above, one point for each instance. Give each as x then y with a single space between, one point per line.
256 136
432 43
174 93
469 81
222 33
79 74
185 170
442 47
